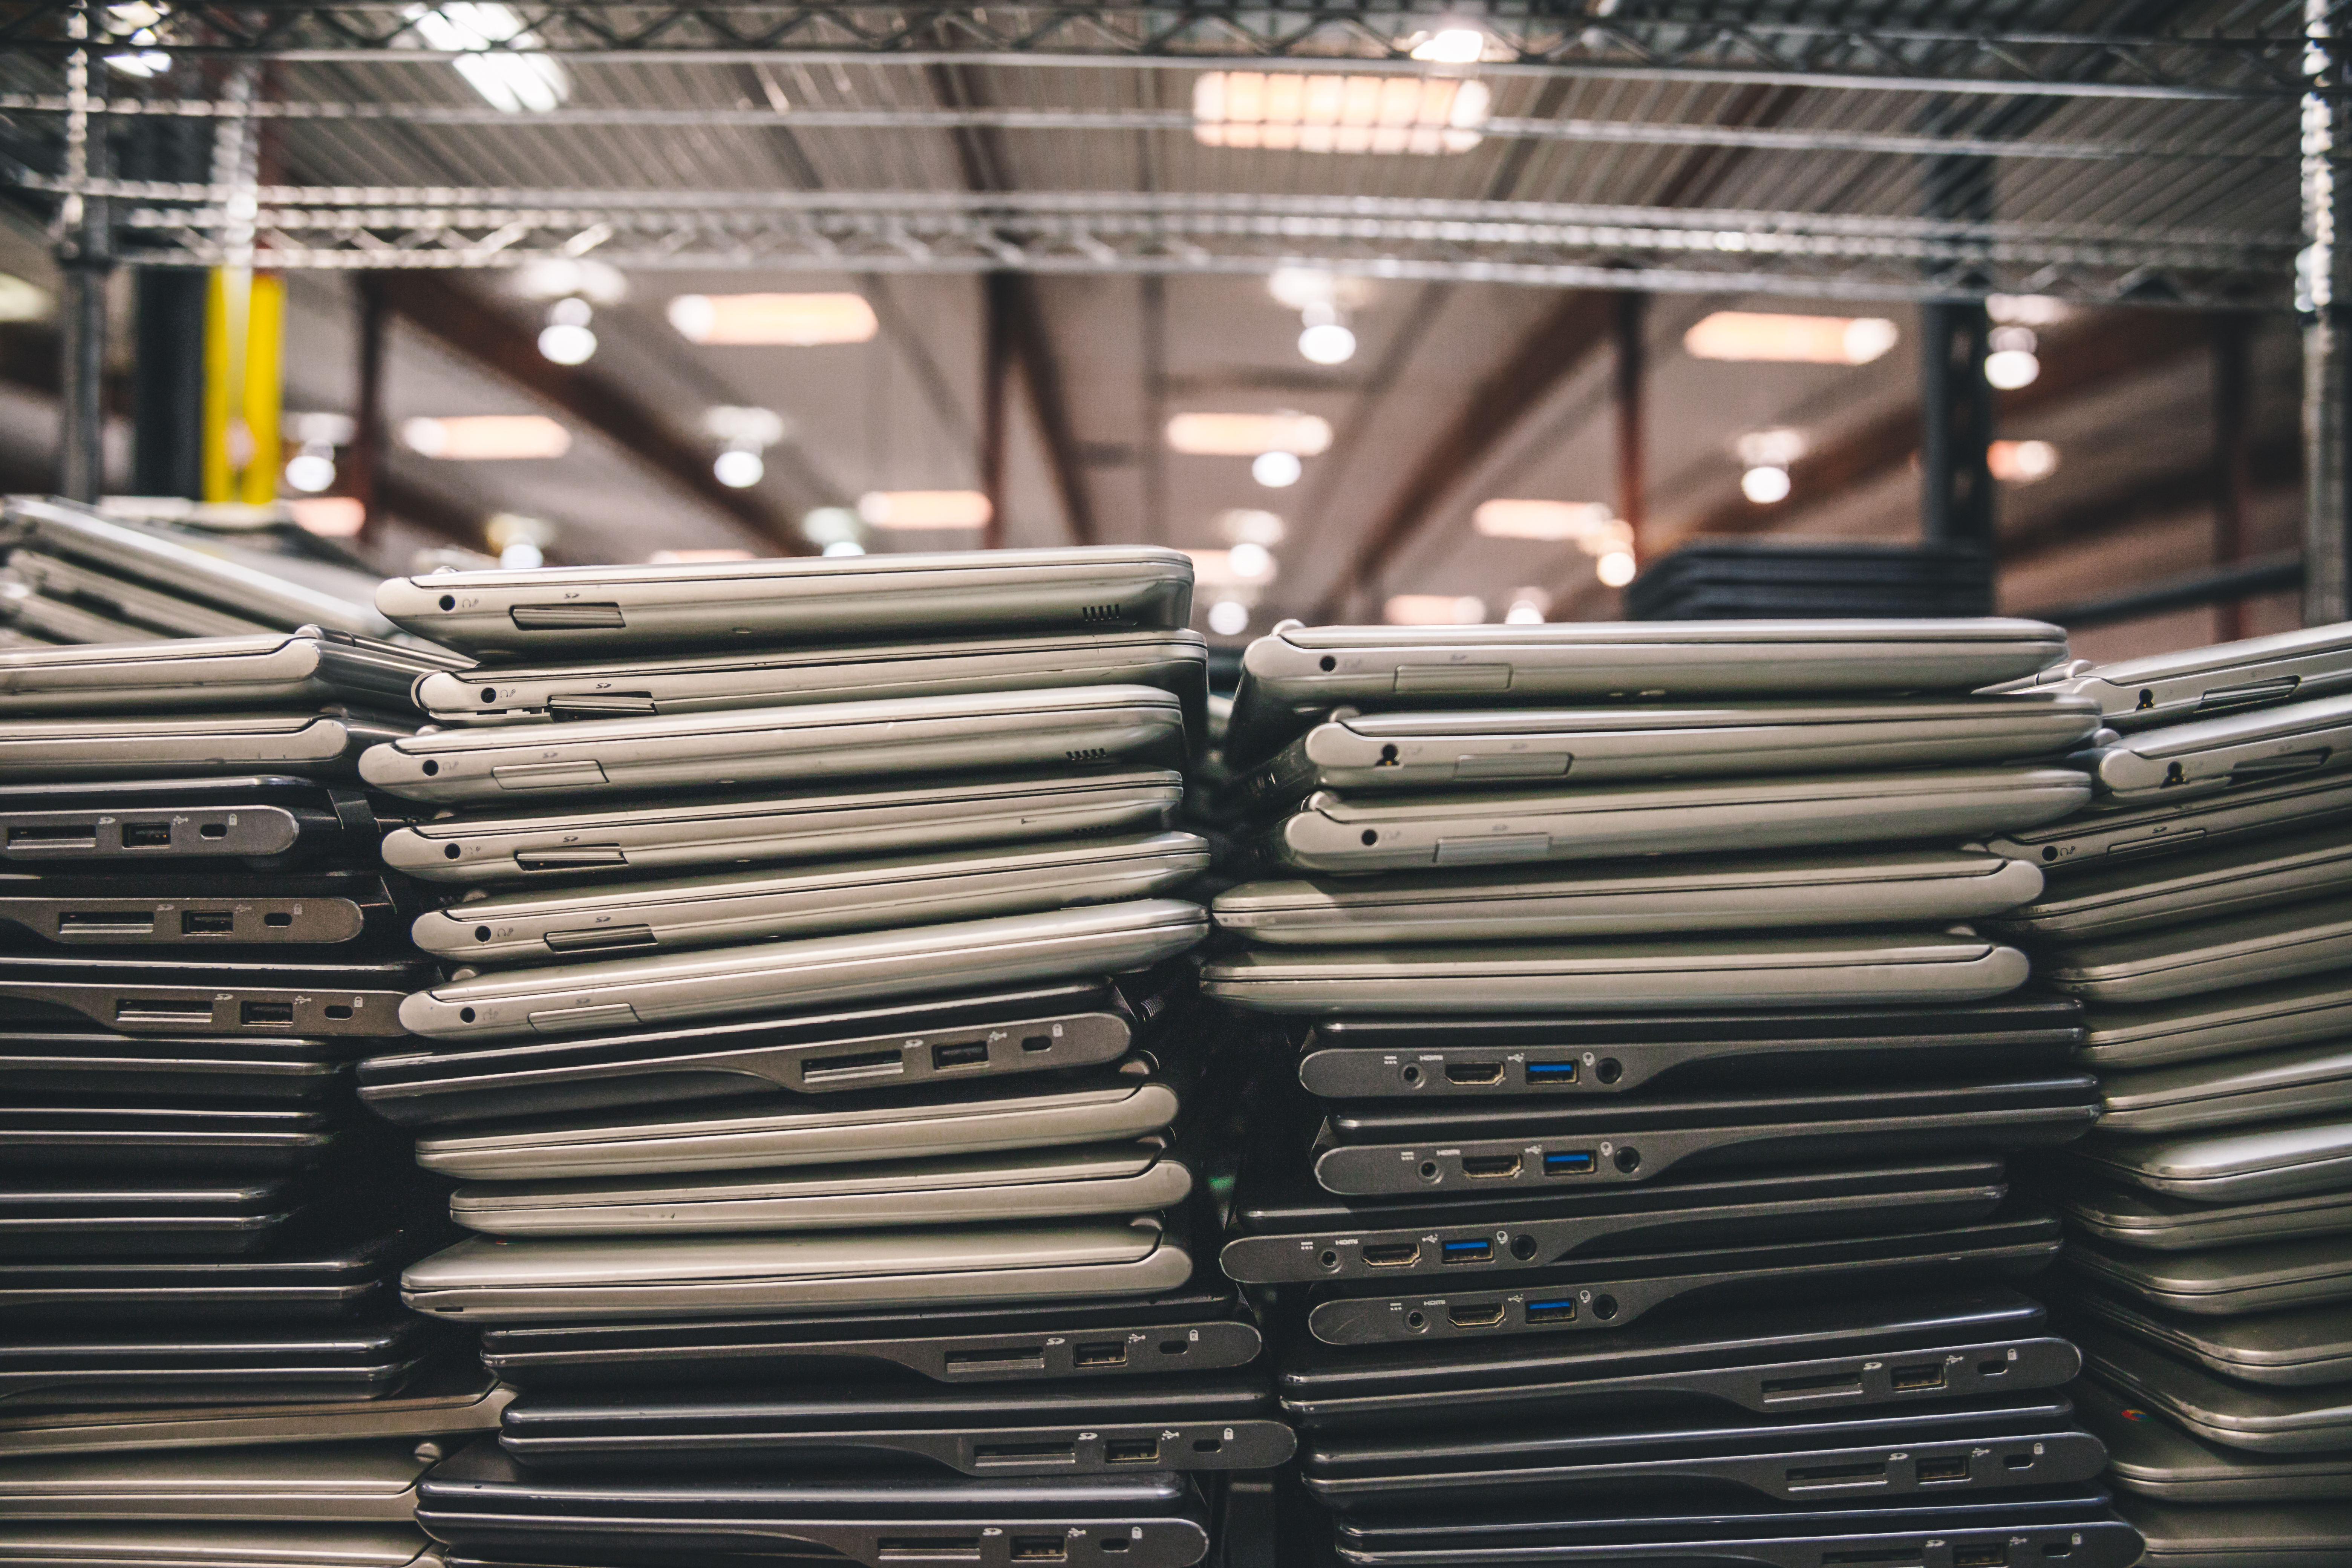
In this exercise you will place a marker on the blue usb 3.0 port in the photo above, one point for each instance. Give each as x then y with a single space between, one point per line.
1560 1311
1478 1251
1551 1072
1573 1162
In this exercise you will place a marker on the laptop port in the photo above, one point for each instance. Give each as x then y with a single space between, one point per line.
1563 1310
877 1063
1130 1451
1893 1557
1008 1357
206 922
1993 1368
1112 1544
69 836
1473 1072
1551 1072
212 830
104 923
264 1012
1572 1163
1036 1042
146 835
2061 1547
1174 1347
1800 1387
1207 1445
962 1054
1490 1167
1483 1315
1839 1476
1112 1353
1480 1251
1025 1453
2018 1461
1951 1469
928 1549
159 1012
1039 1548
1403 1257
1989 1555
1916 1379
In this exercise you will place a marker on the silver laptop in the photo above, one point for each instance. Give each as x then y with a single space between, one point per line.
630 1278
2108 831
304 668
1085 725
372 1482
1857 970
2131 1217
1296 673
454 1396
2261 746
2211 955
2242 1165
780 976
1127 1102
721 908
40 619
1175 661
1435 749
319 744
1399 832
1138 1177
2217 1024
2226 1282
2138 895
2198 682
169 614
2237 1535
2267 1085
215 577
1895 887
224 1545
818 825
2262 1420
813 599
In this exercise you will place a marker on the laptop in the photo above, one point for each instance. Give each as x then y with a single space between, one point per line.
480 1500
301 669
174 907
323 744
2233 1165
2266 1086
1353 834
169 614
50 1212
2272 944
2314 1420
1132 1099
212 1137
372 1482
1208 1423
2200 682
2114 830
601 994
2130 1036
2062 1527
2309 1535
80 1368
154 1545
1605 899
2265 1277
2152 1457
628 1277
1173 661
720 908
1699 1460
1285 1229
1296 673
75 1062
1048 1026
1607 1295
1851 1351
828 825
1443 749
2301 1347
1857 969
2127 1216
1080 1181
1375 1149
741 748
210 994
265 820
2258 746
1197 1327
1448 1056
810 599
37 621
2134 897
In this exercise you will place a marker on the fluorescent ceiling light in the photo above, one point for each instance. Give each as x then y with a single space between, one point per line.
1553 521
1289 112
1248 435
1326 342
924 508
1244 525
1435 610
2021 462
1229 617
561 277
772 321
739 470
486 437
510 80
1615 569
2027 309
1791 339
22 302
1452 47
1276 470
1248 565
1770 449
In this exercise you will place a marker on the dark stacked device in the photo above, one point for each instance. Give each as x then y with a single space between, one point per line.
2202 907
1730 579
1655 1210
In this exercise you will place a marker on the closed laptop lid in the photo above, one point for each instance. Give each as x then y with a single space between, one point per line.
1640 1522
2207 1025
2169 687
2224 1279
2114 830
709 1412
2293 1348
2237 1414
217 1545
2276 1534
2260 1087
355 1481
2152 1456
2209 955
2132 1216
2241 1163
328 743
1369 1122
2166 890
2253 747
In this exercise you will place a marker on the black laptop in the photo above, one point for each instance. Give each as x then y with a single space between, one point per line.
2151 1454
81 1369
51 1214
184 908
73 1061
209 1138
148 993
265 821
2310 1420
2299 1348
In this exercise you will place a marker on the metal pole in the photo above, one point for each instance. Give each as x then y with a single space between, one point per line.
84 256
2232 454
1956 433
995 370
2326 551
1631 369
364 463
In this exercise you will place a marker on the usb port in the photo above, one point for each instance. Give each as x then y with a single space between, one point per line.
266 1013
1131 1450
1403 1257
1490 1167
1473 1072
1112 1354
1952 1469
928 1549
146 835
1563 1310
1551 1072
206 922
1480 1251
1480 1315
1574 1163
1916 1379
1992 1555
1039 1548
963 1054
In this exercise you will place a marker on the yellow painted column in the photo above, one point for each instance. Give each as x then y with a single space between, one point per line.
245 333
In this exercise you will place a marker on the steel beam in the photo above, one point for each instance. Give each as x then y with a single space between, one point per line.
2323 302
2226 586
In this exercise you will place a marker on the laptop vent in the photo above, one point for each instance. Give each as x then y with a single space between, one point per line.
1089 754
1095 613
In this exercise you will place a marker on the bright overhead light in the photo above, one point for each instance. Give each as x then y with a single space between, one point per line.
1770 449
695 557
1276 470
493 49
1765 485
750 427
1528 607
565 342
476 438
830 525
1303 287
1247 435
1452 47
561 277
2021 462
1228 618
739 470
1435 610
2008 368
1251 563
522 555
1244 525
1615 569
1244 566
20 301
1293 111
845 547
772 321
143 64
1326 342
1591 525
309 472
924 508
328 517
2027 309
317 427
1790 340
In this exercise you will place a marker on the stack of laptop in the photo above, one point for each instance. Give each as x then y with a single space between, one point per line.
1657 1209
820 1069
1728 578
2200 911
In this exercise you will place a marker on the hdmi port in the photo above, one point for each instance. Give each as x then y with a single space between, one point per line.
1488 1316
1492 1167
1472 1072
1403 1257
